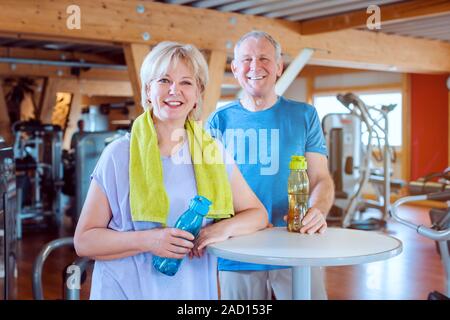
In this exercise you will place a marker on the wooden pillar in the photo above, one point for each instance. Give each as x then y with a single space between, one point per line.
134 56
5 124
48 99
217 62
406 128
310 90
74 115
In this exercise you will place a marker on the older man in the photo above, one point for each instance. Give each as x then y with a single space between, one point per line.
263 131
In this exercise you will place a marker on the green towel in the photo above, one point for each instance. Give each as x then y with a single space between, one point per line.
148 197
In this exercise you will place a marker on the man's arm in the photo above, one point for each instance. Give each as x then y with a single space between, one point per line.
320 182
321 193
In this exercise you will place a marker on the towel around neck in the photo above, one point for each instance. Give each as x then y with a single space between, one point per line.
148 197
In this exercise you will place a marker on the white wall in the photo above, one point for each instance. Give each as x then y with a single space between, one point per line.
297 90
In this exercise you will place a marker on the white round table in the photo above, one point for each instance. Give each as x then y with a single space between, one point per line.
336 247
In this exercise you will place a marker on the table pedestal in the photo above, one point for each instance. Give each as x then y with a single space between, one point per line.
301 283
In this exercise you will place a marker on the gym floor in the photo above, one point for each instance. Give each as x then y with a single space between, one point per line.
411 275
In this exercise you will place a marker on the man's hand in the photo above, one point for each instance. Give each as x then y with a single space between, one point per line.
314 221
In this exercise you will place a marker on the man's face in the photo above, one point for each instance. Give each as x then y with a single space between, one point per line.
256 68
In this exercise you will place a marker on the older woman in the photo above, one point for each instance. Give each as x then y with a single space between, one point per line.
144 181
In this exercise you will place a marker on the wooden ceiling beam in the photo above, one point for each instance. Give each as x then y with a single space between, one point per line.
314 71
120 22
95 87
25 70
217 62
134 56
394 12
54 55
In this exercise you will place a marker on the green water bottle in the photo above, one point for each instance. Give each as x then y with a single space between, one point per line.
298 193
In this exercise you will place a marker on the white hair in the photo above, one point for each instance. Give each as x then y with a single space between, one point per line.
257 34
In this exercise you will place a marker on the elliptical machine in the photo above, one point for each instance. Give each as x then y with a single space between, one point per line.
350 139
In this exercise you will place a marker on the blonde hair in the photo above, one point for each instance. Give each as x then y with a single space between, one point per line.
157 62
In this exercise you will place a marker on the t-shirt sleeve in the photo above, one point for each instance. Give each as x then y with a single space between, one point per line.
111 174
212 127
105 173
315 141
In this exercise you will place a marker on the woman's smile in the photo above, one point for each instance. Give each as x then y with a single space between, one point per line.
173 104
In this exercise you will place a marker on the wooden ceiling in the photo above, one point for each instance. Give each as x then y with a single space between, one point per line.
428 19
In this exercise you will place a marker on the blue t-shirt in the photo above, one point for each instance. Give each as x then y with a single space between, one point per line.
262 144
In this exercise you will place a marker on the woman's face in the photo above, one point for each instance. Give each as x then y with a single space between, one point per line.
174 94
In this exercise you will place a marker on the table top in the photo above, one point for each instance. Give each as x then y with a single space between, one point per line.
336 247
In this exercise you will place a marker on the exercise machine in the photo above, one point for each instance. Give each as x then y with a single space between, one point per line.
350 139
74 275
8 212
438 231
82 160
80 163
433 182
37 152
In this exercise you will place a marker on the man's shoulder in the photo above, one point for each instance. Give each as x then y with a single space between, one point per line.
303 106
224 110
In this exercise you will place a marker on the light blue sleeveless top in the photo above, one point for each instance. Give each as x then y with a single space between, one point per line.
135 277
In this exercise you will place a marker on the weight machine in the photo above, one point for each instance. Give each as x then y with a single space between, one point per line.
39 171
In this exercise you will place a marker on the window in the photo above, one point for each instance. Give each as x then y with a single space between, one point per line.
326 104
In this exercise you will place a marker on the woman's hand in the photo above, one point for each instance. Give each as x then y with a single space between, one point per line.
168 242
212 233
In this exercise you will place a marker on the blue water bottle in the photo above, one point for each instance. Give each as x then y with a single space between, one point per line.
190 221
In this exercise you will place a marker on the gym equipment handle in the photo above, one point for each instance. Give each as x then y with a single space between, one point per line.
439 196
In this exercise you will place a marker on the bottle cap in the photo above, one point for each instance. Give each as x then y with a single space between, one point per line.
298 163
200 205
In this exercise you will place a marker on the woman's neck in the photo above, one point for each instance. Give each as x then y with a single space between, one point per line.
171 135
